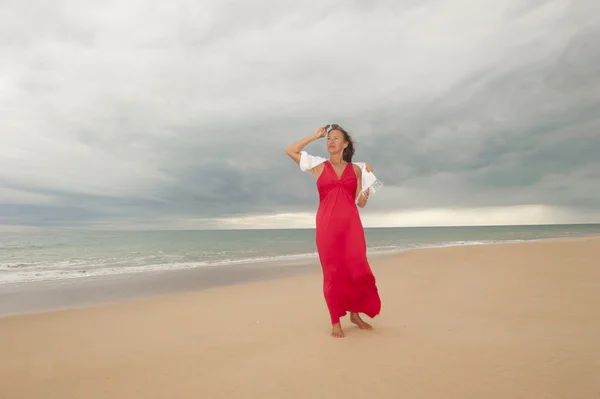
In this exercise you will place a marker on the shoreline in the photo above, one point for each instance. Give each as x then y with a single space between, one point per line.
79 293
108 263
38 297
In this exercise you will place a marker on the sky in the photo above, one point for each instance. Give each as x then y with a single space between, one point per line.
175 115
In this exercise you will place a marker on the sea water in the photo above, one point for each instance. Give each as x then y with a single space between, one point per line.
56 255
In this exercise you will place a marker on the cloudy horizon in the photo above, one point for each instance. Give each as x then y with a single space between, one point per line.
175 115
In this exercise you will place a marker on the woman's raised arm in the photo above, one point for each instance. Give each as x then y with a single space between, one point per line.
293 150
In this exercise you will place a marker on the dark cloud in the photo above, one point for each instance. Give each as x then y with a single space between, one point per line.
114 113
497 138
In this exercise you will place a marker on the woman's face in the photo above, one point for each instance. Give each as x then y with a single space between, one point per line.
335 142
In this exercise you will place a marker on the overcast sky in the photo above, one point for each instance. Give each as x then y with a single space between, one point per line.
148 114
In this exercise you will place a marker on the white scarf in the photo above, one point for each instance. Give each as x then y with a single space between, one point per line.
369 180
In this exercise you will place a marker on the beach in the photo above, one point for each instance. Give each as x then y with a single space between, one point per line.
514 320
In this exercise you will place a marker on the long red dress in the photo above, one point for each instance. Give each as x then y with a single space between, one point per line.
348 282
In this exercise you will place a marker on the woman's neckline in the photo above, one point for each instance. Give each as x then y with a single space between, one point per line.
335 173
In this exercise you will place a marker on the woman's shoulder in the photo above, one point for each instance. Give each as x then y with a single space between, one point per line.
317 170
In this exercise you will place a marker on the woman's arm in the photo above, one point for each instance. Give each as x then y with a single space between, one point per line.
293 150
361 197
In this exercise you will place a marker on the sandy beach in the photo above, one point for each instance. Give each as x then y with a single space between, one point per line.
494 321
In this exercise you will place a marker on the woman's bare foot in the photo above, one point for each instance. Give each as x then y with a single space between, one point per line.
355 318
336 331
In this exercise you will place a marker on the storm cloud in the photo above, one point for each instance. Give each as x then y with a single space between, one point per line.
175 115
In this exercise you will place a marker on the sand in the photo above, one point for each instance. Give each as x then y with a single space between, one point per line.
496 321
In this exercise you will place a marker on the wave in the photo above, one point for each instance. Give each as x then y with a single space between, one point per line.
35 271
46 271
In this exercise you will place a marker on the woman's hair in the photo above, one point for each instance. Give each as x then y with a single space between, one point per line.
349 150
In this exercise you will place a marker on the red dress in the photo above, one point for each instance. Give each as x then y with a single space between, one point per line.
348 282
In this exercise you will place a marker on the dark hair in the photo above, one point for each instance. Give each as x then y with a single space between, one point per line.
349 150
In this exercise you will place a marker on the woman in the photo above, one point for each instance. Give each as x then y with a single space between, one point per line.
348 282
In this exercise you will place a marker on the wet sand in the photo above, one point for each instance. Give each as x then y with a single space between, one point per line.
494 321
43 296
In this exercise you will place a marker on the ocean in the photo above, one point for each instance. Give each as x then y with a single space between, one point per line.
60 255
